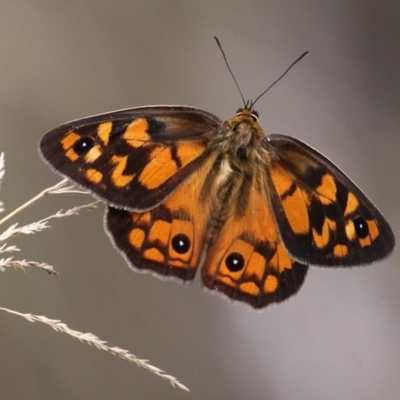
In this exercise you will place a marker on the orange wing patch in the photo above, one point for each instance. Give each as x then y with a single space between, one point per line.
118 176
104 131
94 176
327 189
150 177
67 143
137 132
294 200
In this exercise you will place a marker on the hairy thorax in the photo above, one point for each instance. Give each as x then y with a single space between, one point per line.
241 158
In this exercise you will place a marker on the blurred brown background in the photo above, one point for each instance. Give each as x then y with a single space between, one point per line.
339 337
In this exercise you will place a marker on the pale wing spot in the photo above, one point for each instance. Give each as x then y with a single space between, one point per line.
321 240
351 205
94 176
103 132
373 229
69 140
327 190
93 154
350 230
340 251
136 133
136 238
71 155
67 143
250 288
366 241
271 284
154 254
118 178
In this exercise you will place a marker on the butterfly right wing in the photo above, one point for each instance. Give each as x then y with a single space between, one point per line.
323 218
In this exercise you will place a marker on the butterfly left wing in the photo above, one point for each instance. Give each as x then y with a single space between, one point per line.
132 159
323 218
247 260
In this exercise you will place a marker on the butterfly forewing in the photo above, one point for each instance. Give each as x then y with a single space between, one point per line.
323 218
132 159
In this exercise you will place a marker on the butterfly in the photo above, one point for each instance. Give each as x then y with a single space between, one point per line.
179 182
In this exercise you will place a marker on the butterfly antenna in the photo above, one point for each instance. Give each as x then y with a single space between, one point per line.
269 87
229 69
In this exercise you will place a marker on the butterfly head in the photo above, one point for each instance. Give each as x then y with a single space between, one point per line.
248 111
245 128
240 140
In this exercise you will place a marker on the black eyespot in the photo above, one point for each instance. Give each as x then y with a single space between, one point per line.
234 262
361 227
181 243
255 116
83 145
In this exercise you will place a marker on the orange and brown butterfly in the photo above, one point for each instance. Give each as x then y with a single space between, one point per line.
179 182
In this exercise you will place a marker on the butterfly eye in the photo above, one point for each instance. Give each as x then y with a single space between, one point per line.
239 111
255 116
234 262
361 227
83 145
181 243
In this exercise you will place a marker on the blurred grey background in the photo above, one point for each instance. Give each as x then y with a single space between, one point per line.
339 337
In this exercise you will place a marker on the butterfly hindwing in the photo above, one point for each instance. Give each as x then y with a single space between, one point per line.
323 218
169 239
132 159
247 260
